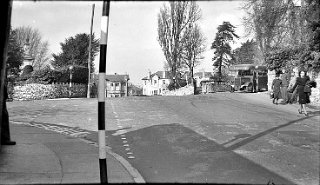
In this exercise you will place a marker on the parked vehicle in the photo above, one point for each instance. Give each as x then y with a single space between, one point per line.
249 77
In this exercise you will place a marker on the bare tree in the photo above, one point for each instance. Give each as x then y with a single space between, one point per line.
193 48
173 20
39 49
42 58
274 24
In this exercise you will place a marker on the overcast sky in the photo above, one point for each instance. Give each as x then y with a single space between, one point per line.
132 40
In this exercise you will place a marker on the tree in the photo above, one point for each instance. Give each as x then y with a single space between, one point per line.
39 49
15 54
285 25
246 53
311 56
193 47
221 44
75 52
173 21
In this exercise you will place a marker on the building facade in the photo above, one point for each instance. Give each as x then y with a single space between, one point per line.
117 85
156 83
202 76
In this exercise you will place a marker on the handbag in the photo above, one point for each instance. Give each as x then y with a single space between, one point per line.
307 89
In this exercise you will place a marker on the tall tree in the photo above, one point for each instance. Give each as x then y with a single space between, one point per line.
75 51
311 56
39 49
246 53
193 48
173 20
274 24
223 54
15 54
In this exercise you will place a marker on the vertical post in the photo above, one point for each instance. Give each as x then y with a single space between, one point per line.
89 55
5 7
101 92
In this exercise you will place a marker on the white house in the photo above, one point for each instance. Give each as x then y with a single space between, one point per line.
156 83
202 76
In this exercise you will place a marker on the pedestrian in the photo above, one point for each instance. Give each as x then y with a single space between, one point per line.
5 130
276 83
300 84
293 92
285 79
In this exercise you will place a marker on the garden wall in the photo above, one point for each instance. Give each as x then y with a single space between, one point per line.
36 91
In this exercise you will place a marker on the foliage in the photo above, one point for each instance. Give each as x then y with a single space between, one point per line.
75 51
15 55
279 58
39 49
173 21
221 44
246 53
311 56
79 75
26 73
283 24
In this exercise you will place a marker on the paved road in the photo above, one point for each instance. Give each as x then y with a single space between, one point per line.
216 138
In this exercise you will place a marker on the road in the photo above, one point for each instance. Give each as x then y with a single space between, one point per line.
215 138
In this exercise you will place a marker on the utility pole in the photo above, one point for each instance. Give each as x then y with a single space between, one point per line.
89 56
101 92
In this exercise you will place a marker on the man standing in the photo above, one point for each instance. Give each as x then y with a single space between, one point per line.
285 78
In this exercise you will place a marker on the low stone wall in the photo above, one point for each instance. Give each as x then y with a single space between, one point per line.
36 91
187 90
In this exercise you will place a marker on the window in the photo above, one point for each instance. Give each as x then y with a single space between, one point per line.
155 81
111 84
145 82
164 81
117 84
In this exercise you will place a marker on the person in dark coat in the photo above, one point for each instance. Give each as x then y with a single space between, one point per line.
5 130
276 84
300 84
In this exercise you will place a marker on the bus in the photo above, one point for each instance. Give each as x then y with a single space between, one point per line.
249 77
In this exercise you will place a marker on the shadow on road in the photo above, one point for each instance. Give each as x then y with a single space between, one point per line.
261 134
174 153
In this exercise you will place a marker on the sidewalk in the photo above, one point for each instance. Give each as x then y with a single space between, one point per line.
42 156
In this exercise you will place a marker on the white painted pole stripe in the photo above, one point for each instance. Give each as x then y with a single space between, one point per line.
104 30
101 88
102 144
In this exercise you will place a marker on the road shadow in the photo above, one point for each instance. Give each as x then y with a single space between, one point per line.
261 134
173 153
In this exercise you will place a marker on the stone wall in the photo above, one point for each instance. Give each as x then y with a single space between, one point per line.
36 91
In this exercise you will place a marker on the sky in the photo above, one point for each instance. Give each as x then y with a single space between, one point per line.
132 34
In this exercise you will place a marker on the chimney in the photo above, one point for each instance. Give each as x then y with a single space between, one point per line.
149 74
164 74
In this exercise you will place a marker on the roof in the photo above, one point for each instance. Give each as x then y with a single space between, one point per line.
247 67
160 74
206 74
117 78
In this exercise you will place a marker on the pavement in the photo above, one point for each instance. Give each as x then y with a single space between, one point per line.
43 156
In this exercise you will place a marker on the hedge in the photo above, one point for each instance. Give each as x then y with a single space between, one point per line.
35 91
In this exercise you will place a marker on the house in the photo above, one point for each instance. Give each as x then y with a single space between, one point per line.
156 83
117 85
202 76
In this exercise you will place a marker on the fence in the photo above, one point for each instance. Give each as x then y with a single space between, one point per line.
36 91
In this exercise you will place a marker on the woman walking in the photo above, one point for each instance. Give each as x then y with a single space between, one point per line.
300 84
